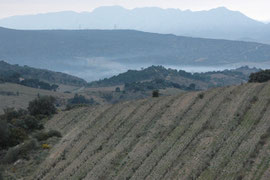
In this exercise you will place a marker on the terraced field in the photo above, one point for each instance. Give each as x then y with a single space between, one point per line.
223 133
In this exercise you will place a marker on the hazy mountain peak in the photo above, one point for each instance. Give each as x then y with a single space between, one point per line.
222 8
109 8
218 23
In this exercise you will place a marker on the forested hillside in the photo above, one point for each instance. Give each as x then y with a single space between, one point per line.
11 73
153 75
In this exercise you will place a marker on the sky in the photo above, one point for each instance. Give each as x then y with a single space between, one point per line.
256 9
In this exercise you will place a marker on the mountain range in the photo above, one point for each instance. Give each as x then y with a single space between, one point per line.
219 23
96 54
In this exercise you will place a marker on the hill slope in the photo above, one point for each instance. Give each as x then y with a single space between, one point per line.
40 74
18 96
224 133
182 78
95 54
218 23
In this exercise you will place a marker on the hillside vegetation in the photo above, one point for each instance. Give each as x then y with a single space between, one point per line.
222 133
18 96
159 77
7 71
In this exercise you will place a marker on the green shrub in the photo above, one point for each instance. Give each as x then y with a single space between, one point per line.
11 113
254 99
54 133
201 95
191 87
32 123
117 89
155 93
73 106
20 151
107 96
1 172
42 136
261 76
4 133
1 177
42 106
28 123
16 136
80 99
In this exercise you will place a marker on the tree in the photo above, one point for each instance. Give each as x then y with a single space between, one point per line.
191 87
260 77
4 133
78 99
54 87
42 106
117 89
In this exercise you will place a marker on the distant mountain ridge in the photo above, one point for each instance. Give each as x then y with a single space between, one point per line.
219 23
96 54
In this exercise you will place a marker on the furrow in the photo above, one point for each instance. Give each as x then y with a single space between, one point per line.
156 136
81 173
124 147
219 129
183 141
222 157
52 162
252 143
86 139
77 168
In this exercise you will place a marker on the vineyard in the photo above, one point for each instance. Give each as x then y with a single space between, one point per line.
223 133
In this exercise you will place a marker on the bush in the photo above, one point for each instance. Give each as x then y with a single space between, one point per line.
191 87
46 146
155 93
4 133
15 126
11 113
260 77
28 123
117 89
35 83
73 106
80 99
42 136
201 95
16 136
42 106
1 177
20 151
254 99
107 96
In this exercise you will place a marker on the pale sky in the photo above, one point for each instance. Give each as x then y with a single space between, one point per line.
256 9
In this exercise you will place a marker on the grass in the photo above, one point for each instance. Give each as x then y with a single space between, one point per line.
25 95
